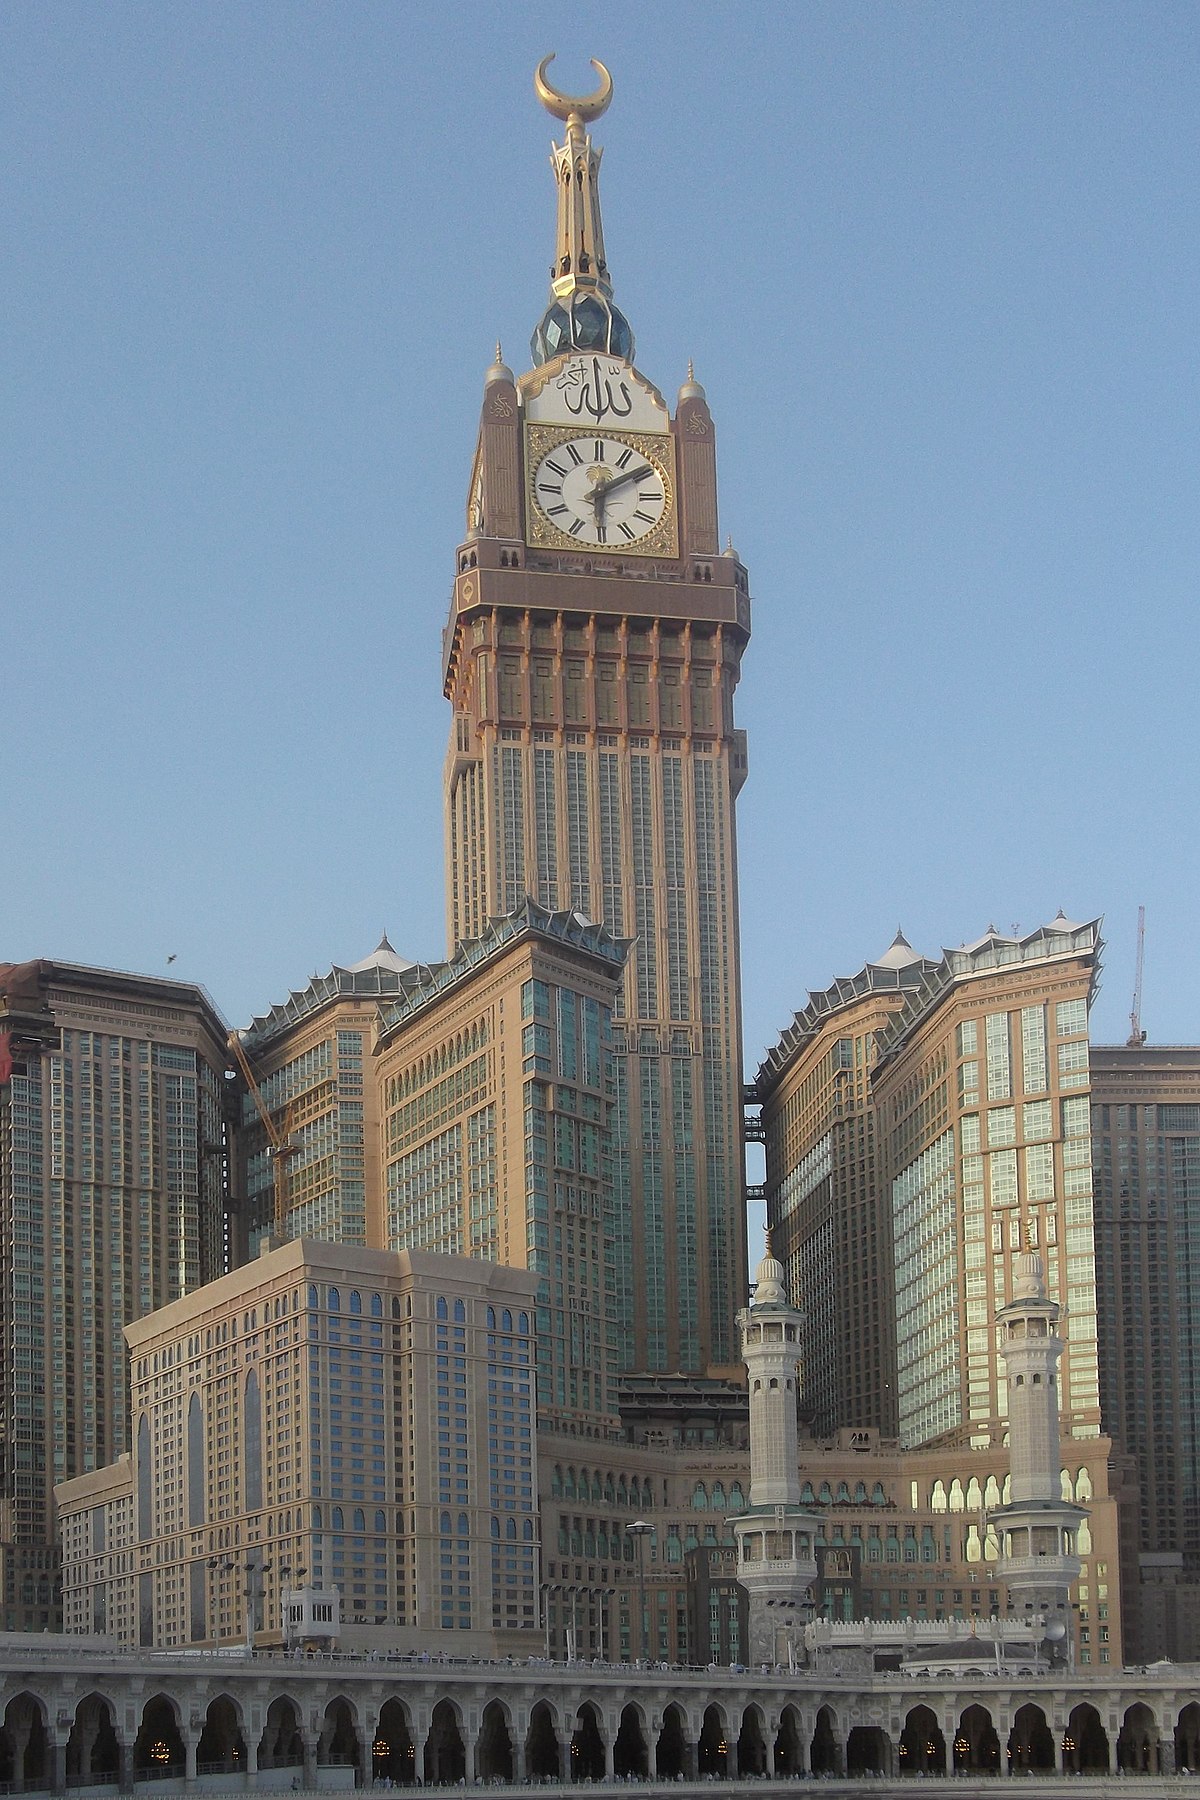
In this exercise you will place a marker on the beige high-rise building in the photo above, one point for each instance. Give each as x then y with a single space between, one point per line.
311 1057
494 1077
981 1088
113 1203
326 1417
830 1213
464 1107
593 648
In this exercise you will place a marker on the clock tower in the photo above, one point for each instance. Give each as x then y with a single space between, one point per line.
593 648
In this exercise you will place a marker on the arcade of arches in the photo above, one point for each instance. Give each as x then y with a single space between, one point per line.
436 1724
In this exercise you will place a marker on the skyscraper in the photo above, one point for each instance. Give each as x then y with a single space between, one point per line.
1146 1163
830 1211
981 1088
112 1194
591 657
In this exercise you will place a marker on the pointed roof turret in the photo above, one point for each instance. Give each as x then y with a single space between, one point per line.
899 955
581 314
382 957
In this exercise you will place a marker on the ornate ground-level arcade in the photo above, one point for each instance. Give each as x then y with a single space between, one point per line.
94 1719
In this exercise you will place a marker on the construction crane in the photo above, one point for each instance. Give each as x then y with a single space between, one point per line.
1136 1034
279 1148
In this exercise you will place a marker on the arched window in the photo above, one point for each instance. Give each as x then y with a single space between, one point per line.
445 1524
878 1497
523 1323
395 1307
826 1494
312 1295
376 1307
718 1496
460 1313
380 1519
360 1519
506 1320
528 1532
957 1499
316 1518
510 1529
737 1501
145 1482
699 1498
495 1526
860 1493
196 1467
441 1309
937 1500
491 1318
355 1301
464 1528
843 1494
336 1519
807 1497
252 1443
335 1300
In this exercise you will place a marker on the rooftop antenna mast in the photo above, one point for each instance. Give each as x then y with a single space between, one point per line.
1136 1035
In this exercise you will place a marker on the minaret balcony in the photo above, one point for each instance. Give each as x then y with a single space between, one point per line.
1055 1567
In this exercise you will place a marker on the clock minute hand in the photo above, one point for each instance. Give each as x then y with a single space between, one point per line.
629 475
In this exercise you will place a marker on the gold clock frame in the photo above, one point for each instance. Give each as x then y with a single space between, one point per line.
658 447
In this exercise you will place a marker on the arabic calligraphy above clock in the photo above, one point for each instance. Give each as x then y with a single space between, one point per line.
590 389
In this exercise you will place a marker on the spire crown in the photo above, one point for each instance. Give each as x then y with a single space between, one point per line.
769 1289
581 315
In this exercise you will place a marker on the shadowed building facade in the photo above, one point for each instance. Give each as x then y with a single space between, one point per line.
830 1213
1146 1166
112 1195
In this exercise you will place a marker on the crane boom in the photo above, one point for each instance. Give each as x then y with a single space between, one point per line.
280 1148
1136 1034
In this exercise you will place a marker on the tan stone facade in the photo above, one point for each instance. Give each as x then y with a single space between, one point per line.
982 1101
112 1198
495 1079
325 1416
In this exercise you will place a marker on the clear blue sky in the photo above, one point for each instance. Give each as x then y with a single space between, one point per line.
937 267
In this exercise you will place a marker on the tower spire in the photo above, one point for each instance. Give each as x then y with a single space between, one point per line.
581 315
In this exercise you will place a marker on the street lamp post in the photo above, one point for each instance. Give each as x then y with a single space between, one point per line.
255 1590
641 1529
289 1576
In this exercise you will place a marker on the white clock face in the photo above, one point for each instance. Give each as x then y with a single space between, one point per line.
600 490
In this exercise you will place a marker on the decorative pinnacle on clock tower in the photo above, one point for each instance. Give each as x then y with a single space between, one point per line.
1037 1526
581 315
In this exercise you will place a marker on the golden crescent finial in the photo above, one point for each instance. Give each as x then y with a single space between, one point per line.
584 107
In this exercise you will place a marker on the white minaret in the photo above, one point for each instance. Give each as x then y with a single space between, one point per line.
1037 1526
776 1560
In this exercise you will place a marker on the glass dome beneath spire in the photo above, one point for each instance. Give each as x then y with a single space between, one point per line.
581 321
